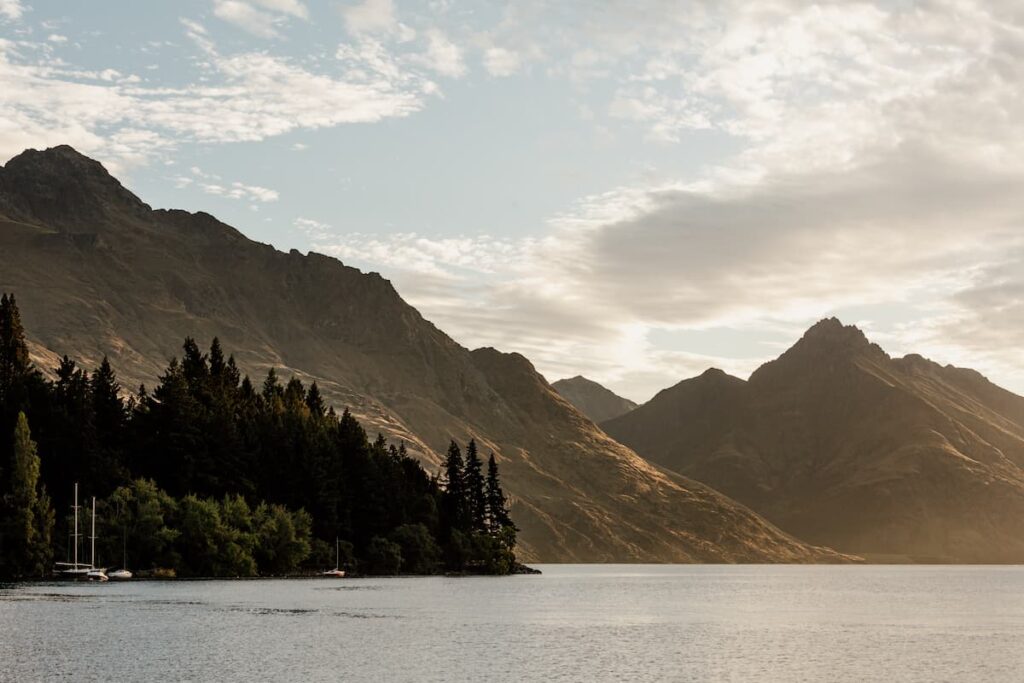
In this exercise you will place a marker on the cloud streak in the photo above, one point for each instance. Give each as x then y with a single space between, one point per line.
880 167
248 96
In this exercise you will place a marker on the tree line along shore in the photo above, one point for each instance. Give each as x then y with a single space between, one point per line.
210 475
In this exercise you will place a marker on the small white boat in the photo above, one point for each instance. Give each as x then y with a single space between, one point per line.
98 575
335 573
122 574
71 570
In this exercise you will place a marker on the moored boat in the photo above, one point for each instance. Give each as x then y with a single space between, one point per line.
337 572
97 575
75 570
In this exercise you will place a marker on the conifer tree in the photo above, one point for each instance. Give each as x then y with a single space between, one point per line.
14 361
454 491
217 365
29 518
497 507
105 468
108 408
193 365
473 479
314 401
271 387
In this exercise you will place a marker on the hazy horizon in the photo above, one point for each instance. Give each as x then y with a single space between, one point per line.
629 194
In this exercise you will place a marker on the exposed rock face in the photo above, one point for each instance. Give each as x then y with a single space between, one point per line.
840 444
592 399
98 272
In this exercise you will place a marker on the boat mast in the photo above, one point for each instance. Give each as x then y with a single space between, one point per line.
124 549
76 534
92 554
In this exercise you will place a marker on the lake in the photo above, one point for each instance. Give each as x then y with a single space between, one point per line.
575 622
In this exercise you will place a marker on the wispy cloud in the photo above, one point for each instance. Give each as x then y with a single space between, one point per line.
11 10
245 96
878 164
261 18
213 184
370 16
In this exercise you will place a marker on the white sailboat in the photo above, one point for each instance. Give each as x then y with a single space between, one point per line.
95 573
73 570
122 574
337 572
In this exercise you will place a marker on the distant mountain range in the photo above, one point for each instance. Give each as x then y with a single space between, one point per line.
840 444
592 399
98 272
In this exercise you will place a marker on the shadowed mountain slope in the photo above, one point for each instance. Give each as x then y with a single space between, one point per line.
592 399
840 444
96 272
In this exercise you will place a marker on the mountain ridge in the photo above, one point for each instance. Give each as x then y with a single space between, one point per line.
593 400
840 444
104 274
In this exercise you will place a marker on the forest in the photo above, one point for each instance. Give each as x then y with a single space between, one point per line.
209 475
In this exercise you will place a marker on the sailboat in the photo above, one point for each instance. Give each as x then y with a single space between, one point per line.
94 573
337 572
122 574
73 570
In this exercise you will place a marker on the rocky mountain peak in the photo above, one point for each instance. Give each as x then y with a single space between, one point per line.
832 332
592 399
64 188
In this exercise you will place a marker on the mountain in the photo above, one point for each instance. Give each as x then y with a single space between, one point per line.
592 399
96 271
838 443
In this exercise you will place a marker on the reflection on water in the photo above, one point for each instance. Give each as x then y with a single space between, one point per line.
573 623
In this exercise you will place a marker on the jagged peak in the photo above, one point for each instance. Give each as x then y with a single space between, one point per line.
833 329
827 341
831 337
578 380
62 185
62 158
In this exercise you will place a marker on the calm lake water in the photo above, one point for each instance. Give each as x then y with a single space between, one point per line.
610 623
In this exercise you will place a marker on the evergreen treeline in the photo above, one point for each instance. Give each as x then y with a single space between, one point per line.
210 475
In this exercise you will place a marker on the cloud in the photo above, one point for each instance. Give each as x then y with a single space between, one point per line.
212 184
244 96
12 10
245 16
261 18
442 55
313 229
499 61
293 8
370 16
879 166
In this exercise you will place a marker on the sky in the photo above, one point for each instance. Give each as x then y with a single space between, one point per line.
632 191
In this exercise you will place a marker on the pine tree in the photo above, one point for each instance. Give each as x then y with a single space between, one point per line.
497 507
105 467
473 479
14 361
217 364
109 411
314 401
29 517
193 365
272 387
454 490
